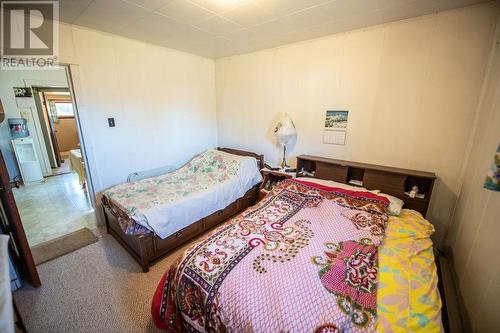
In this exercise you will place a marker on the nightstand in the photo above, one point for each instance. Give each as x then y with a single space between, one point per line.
270 179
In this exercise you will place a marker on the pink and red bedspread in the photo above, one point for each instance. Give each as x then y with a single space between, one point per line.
304 259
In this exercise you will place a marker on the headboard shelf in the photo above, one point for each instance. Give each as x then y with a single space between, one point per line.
360 165
390 180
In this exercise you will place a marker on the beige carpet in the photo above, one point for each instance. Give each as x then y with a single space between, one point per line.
60 246
98 288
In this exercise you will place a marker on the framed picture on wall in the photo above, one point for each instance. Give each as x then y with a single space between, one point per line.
23 92
492 181
336 120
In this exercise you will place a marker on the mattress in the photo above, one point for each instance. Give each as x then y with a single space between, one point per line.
168 203
307 258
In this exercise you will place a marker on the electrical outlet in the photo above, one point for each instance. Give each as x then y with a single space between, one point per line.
111 122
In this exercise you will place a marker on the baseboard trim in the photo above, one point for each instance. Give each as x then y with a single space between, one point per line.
456 313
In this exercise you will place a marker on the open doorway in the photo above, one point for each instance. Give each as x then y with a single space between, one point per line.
59 128
53 197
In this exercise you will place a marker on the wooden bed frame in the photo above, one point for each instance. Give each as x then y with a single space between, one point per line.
148 247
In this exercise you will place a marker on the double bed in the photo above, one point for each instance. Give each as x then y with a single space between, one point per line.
315 255
152 216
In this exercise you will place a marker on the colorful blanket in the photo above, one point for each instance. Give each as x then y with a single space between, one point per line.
304 259
408 299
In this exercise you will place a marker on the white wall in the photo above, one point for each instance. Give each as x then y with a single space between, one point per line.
476 224
163 102
411 87
25 78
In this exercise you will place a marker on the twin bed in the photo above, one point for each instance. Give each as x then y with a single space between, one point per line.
153 216
315 255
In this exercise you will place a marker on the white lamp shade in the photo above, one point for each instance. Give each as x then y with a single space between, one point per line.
285 130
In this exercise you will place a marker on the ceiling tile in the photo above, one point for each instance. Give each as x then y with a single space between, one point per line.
220 6
240 34
158 28
218 26
150 28
191 33
342 9
248 15
69 10
283 7
149 4
273 27
185 11
303 34
306 17
352 7
110 15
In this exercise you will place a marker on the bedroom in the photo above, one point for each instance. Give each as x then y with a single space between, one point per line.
418 79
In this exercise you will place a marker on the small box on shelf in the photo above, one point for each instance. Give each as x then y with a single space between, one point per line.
356 182
417 196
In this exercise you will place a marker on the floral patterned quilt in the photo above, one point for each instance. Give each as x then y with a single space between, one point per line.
304 259
150 203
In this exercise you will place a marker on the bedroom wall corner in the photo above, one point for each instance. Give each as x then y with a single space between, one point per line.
473 234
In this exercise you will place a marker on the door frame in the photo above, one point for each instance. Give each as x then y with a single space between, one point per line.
39 136
14 228
43 129
72 77
43 111
72 80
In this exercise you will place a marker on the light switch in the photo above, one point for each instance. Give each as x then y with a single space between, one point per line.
111 122
25 114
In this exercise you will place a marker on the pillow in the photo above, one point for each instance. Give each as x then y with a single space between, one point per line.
332 183
395 204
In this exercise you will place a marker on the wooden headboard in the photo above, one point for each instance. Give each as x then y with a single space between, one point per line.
259 158
393 181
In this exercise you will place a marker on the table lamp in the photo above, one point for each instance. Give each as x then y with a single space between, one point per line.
285 133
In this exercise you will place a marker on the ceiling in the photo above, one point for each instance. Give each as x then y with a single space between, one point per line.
219 28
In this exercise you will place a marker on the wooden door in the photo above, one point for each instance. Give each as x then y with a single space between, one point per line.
52 130
14 228
2 112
